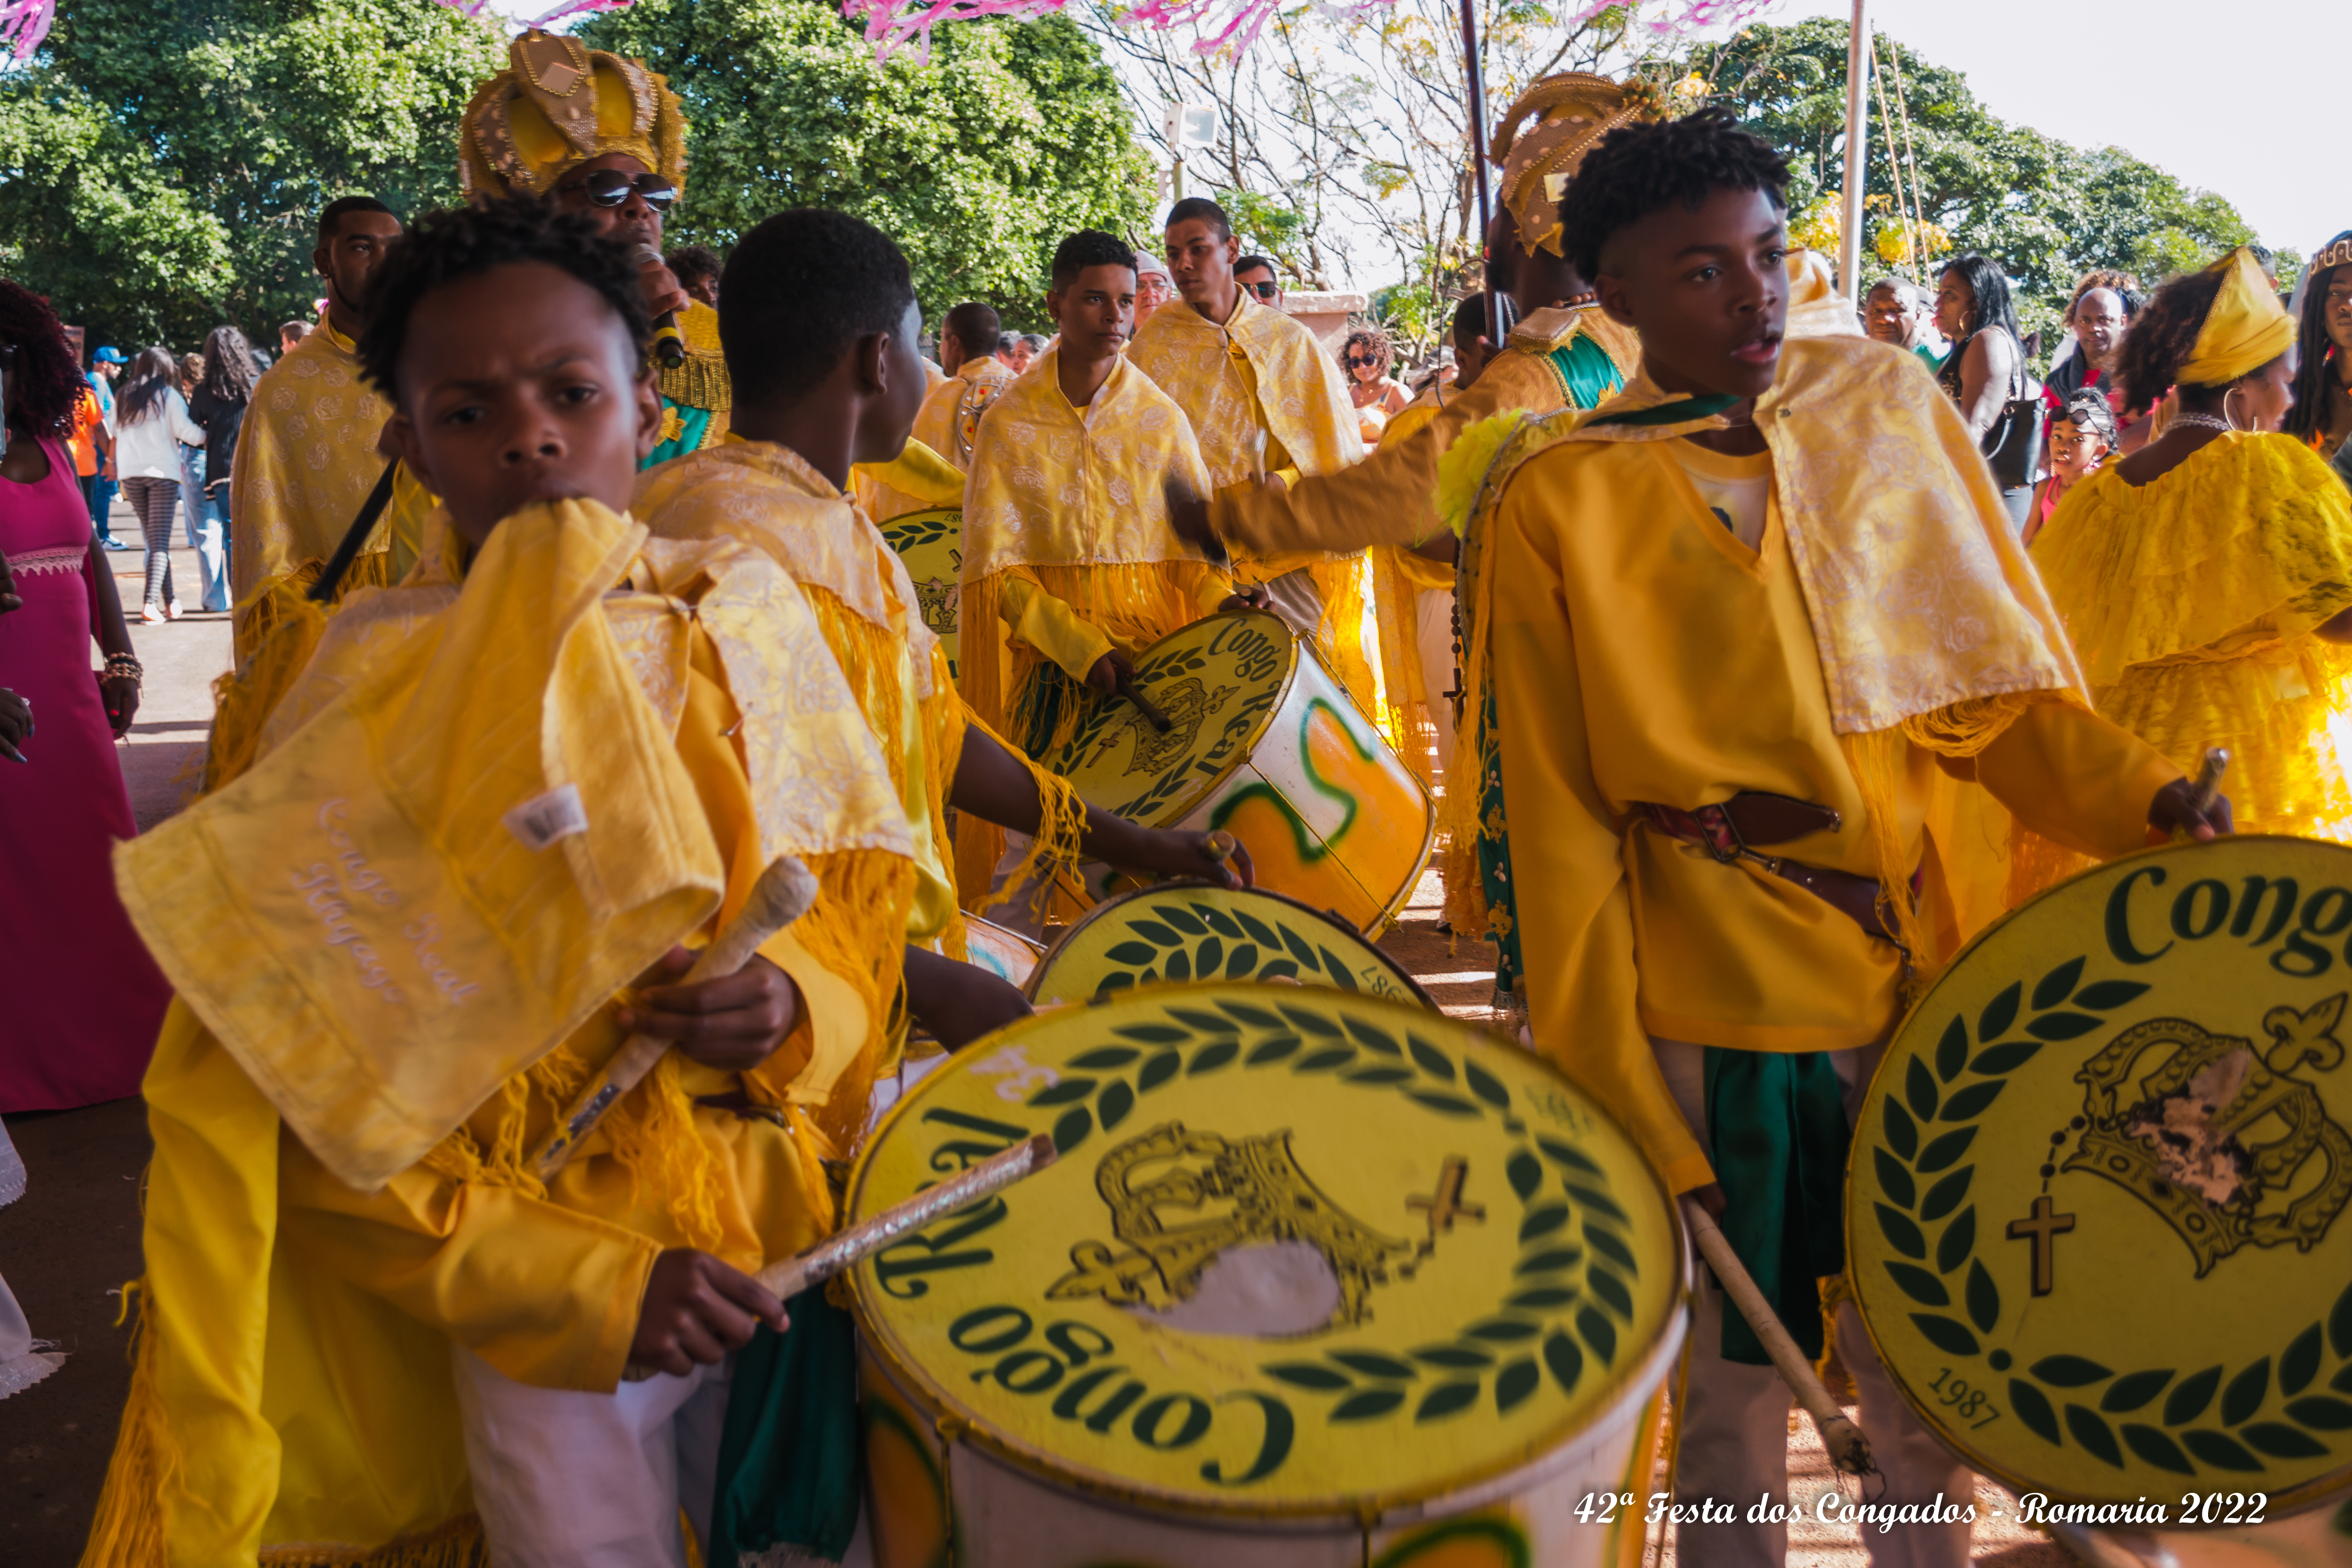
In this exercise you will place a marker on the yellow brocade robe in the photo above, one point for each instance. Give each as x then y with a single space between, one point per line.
1264 398
1641 654
2192 601
950 419
306 460
1068 552
769 497
294 1401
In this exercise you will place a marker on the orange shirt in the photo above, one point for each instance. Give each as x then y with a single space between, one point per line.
86 418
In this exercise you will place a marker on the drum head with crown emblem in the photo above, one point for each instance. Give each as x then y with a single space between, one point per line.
2096 1200
1304 1253
1218 682
931 545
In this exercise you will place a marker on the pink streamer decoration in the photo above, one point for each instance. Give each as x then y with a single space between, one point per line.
25 22
1677 17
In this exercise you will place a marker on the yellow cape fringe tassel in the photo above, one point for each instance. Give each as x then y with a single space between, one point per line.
244 699
459 1544
868 656
281 598
1877 758
127 1531
1058 843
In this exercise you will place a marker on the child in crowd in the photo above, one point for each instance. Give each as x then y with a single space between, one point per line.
507 792
2081 439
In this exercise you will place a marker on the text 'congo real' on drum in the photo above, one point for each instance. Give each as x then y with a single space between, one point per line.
2096 1216
1318 1279
1264 744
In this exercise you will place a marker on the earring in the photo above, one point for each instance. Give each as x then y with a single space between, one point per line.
2227 418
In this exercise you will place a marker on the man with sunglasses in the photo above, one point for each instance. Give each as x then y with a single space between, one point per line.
307 459
1266 403
1258 277
604 137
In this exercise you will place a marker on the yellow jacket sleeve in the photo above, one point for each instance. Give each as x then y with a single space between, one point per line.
1051 626
1578 935
546 1294
920 472
2076 778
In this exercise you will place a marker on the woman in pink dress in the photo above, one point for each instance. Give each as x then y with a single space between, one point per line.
84 999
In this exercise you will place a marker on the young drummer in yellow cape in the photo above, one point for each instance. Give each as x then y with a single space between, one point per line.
820 319
1265 401
506 791
307 458
1694 648
949 420
1069 565
2206 580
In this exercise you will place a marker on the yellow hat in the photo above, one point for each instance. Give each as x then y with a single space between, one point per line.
2246 329
1570 112
556 106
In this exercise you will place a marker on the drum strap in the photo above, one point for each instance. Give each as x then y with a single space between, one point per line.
1741 827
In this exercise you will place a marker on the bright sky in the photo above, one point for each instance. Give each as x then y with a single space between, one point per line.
2231 98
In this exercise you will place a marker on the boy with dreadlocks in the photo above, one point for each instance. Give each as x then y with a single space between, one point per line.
1681 665
377 1328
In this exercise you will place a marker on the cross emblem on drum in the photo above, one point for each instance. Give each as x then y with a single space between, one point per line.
2043 1228
1447 1203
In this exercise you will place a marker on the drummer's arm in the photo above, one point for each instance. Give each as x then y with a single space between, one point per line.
1575 907
1050 626
2084 783
996 783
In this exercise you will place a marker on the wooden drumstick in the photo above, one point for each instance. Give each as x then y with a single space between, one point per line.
820 1263
2208 777
782 895
1144 705
1849 1448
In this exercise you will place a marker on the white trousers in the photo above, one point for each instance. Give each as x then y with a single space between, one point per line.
1432 617
1734 1421
568 1479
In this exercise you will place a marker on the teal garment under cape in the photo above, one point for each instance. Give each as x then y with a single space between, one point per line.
790 1462
1777 1138
694 423
1588 377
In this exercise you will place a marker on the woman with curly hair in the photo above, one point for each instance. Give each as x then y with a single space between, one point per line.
1378 395
2322 415
85 1000
2206 580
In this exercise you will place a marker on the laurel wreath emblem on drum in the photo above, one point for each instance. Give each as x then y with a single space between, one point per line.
1568 1295
1930 1122
1198 942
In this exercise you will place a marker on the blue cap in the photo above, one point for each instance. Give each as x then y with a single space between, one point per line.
111 356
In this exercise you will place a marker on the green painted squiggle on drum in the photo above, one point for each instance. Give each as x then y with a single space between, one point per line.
1309 851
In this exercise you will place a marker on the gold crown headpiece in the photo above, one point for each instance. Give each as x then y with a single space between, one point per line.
2335 253
557 105
1570 112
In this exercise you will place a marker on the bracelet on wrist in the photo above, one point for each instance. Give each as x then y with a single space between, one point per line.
123 667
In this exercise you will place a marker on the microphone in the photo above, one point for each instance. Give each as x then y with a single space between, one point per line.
669 343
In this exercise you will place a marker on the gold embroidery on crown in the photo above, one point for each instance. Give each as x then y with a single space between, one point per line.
2222 1141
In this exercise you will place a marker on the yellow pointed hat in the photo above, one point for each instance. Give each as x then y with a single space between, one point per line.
557 105
1544 136
2246 329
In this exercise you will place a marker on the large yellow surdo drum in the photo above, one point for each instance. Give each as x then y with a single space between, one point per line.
1177 931
2096 1206
1268 746
930 545
1318 1279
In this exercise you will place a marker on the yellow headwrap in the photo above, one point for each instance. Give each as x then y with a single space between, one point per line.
2246 329
556 106
1571 112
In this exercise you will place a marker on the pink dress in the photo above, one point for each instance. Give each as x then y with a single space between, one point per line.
83 1001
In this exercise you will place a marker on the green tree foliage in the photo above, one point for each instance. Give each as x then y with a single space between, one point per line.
162 166
2046 211
977 163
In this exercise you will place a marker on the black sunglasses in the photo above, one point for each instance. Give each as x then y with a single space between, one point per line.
1353 361
611 187
1264 291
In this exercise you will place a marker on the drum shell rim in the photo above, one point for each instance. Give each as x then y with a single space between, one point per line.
2318 1493
1054 948
929 1395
